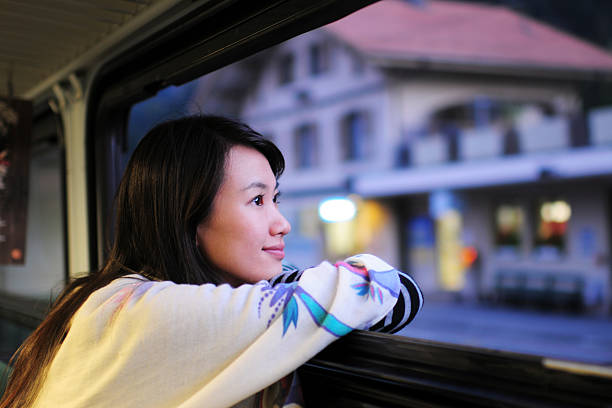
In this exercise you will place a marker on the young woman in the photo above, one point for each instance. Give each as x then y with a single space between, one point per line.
192 308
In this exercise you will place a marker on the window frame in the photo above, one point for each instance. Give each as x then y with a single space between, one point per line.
522 238
367 367
211 34
538 245
286 69
351 138
318 59
306 134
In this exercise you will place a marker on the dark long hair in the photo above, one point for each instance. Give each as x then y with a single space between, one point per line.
167 190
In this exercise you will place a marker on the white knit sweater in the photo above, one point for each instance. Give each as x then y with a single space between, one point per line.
141 343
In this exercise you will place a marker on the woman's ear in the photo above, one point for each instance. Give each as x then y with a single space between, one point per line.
197 235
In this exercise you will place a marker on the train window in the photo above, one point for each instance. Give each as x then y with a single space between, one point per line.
478 116
468 143
481 167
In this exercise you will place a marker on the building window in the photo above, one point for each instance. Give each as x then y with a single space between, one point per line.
508 226
552 219
306 149
286 69
356 143
319 59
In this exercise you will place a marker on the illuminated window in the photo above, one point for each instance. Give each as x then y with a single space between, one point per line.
508 226
553 217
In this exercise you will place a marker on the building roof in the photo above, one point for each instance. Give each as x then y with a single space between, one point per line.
466 34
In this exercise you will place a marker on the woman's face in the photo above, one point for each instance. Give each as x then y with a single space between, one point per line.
243 236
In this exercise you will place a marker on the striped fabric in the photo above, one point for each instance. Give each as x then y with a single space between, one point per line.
409 302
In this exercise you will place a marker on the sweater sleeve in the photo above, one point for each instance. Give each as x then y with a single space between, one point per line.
409 302
158 344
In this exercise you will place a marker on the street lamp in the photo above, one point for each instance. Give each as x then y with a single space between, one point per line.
337 209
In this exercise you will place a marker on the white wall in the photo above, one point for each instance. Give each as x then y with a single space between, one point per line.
275 110
268 97
44 262
417 98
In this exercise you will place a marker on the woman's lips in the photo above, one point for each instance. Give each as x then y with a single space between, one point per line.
277 252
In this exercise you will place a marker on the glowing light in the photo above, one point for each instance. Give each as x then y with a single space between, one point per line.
509 217
558 211
451 274
337 210
469 256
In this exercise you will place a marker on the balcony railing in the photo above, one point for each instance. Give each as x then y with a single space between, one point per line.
550 134
430 150
546 135
481 143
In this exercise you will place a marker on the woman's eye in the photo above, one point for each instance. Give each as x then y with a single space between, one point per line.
276 198
258 200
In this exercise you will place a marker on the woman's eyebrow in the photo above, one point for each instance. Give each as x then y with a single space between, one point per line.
259 184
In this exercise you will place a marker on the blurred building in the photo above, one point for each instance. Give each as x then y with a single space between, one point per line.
459 132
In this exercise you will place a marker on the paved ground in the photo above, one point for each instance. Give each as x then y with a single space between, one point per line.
571 337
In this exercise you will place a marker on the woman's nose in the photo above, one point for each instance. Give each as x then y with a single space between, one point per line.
279 224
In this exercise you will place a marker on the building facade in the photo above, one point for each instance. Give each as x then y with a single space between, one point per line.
471 160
